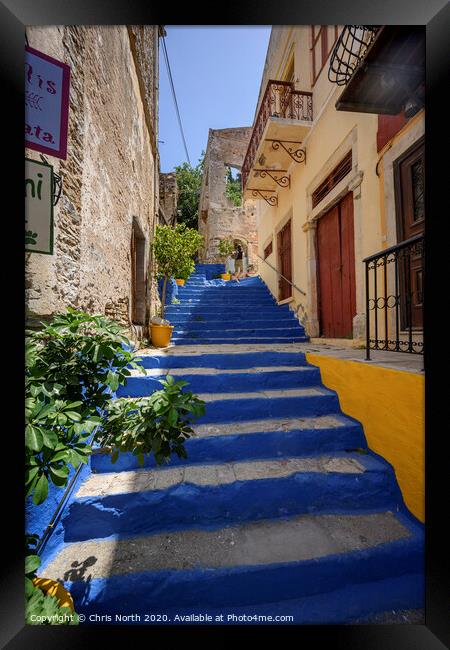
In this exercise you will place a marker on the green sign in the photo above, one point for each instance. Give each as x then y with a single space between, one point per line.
38 207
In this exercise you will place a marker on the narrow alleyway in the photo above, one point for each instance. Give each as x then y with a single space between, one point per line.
280 508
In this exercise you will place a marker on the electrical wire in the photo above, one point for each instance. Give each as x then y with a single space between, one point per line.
169 73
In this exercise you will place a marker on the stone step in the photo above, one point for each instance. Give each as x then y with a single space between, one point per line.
253 562
186 312
281 329
225 291
178 340
254 439
225 301
125 503
387 601
212 379
216 325
234 320
231 407
239 359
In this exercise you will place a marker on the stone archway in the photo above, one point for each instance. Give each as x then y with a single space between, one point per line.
238 239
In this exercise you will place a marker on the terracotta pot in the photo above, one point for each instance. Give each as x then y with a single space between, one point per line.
56 589
161 335
180 282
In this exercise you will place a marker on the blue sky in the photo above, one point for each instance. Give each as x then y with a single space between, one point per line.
216 73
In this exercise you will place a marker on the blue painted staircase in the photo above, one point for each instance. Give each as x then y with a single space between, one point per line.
280 510
218 311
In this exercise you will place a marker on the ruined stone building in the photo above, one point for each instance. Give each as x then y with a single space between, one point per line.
105 217
168 198
218 217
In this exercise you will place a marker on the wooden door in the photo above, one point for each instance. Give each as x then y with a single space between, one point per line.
284 262
336 256
410 195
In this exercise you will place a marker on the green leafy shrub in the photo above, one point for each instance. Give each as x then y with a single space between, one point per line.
174 249
70 364
159 423
73 365
40 608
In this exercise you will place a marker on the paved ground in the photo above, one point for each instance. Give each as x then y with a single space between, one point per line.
395 360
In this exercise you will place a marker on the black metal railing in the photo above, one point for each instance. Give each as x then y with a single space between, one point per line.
349 50
395 298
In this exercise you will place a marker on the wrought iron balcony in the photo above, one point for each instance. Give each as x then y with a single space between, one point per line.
382 69
284 117
349 51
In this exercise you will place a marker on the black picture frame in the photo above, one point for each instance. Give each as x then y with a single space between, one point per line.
435 14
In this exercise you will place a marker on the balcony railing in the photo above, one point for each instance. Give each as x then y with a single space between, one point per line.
348 52
395 298
280 100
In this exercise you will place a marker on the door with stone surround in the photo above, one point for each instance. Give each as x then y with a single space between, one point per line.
409 176
336 270
284 262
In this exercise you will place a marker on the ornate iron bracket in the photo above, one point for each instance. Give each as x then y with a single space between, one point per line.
283 181
271 200
297 154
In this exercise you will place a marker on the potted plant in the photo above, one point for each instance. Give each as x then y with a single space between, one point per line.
226 248
174 249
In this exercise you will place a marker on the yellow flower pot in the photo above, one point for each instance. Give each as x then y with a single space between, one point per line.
225 276
161 335
56 589
180 282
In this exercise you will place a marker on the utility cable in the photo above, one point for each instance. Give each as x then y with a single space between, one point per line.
169 73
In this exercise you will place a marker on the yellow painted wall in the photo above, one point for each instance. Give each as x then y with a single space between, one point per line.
390 406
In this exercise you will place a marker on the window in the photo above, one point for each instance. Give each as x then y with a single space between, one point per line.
289 74
323 37
338 173
268 250
138 276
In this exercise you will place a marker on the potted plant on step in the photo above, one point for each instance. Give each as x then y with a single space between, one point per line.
174 249
226 248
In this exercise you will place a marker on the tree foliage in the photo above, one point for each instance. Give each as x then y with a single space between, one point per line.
174 249
233 188
226 247
189 181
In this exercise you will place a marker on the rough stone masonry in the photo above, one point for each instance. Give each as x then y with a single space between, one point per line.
110 177
218 217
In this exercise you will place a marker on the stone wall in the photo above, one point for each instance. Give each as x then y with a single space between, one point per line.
109 177
218 217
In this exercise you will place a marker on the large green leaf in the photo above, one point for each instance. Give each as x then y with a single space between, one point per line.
41 490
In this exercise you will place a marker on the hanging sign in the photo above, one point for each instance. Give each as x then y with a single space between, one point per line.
47 83
38 207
